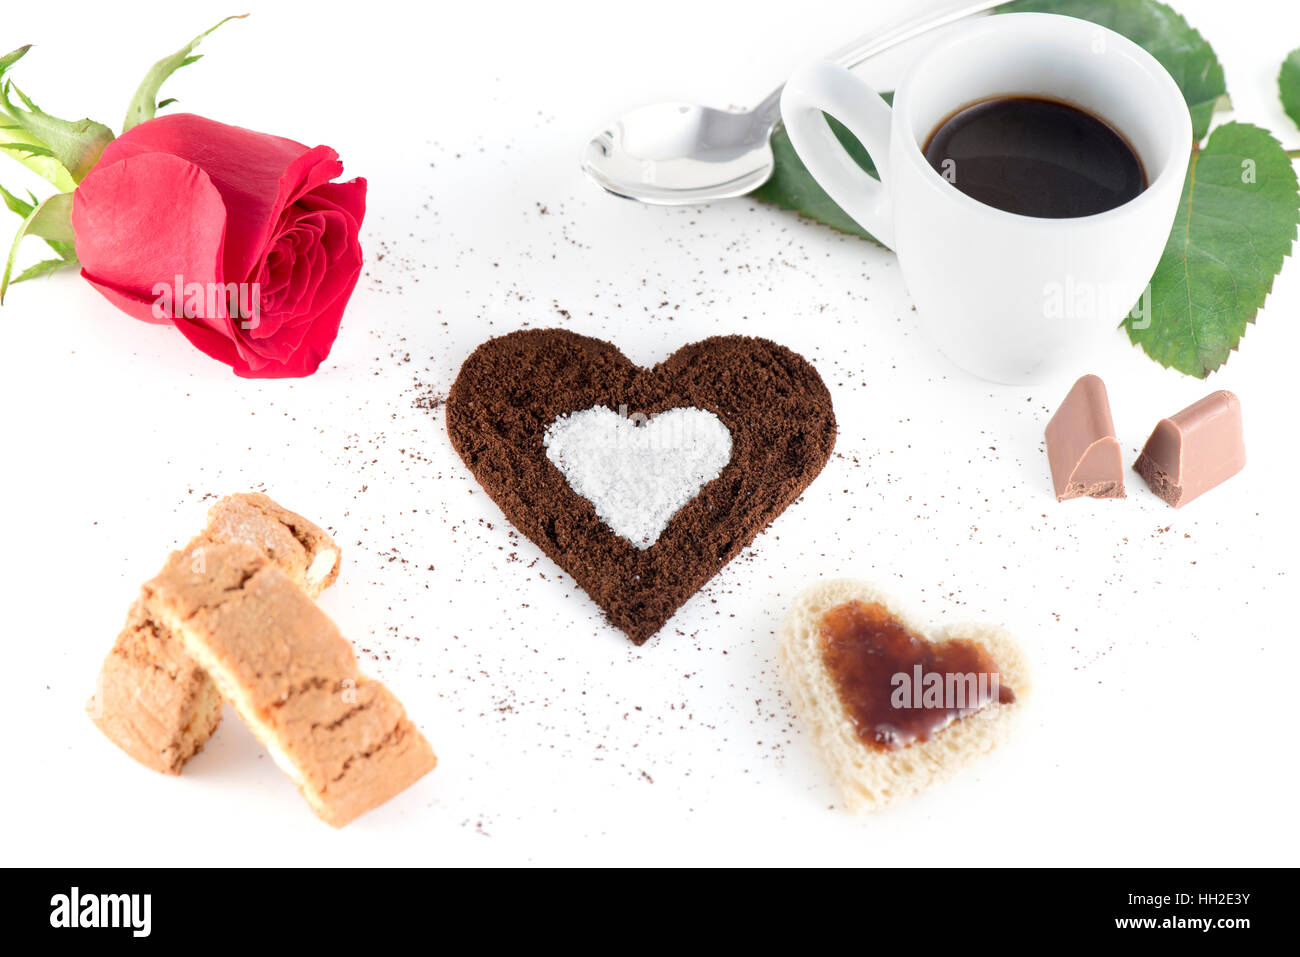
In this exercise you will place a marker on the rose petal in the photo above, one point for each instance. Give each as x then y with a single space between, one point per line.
257 174
144 221
316 344
348 197
299 345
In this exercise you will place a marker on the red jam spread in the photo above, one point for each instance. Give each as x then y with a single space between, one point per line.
897 687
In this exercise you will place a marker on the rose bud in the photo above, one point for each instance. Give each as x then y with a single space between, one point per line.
239 239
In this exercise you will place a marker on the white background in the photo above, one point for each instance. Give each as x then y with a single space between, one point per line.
1164 642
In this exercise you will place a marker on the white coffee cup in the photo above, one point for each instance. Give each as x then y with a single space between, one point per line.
1008 297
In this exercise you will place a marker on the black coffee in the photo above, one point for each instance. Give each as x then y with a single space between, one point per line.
1036 157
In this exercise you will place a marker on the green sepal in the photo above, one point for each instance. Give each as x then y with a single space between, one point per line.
52 221
12 57
42 268
144 105
22 146
17 204
31 134
63 247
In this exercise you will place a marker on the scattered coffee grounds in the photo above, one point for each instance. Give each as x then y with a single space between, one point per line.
866 650
1195 450
772 401
1082 450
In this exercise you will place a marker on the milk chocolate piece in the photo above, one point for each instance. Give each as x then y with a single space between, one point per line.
1082 450
1191 452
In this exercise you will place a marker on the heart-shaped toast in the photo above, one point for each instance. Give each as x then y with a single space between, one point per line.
515 391
892 708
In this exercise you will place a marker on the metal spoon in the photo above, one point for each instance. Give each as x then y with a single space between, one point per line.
678 153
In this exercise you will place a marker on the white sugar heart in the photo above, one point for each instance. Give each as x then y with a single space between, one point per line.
637 472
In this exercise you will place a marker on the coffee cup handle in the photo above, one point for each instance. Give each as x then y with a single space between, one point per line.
824 88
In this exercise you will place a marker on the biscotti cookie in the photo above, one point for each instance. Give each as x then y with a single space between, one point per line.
344 739
892 708
301 550
153 701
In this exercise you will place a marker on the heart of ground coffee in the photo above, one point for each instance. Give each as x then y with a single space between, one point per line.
771 402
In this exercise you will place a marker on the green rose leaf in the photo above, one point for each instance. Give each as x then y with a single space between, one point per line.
1288 82
1236 223
144 105
1161 32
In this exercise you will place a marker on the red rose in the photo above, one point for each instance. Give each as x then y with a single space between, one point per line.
239 239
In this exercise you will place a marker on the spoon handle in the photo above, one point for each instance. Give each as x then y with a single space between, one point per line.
864 48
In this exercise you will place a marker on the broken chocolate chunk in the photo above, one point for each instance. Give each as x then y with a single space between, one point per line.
1082 450
1193 451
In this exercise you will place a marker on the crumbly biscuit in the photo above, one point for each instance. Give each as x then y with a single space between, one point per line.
153 701
273 654
303 551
